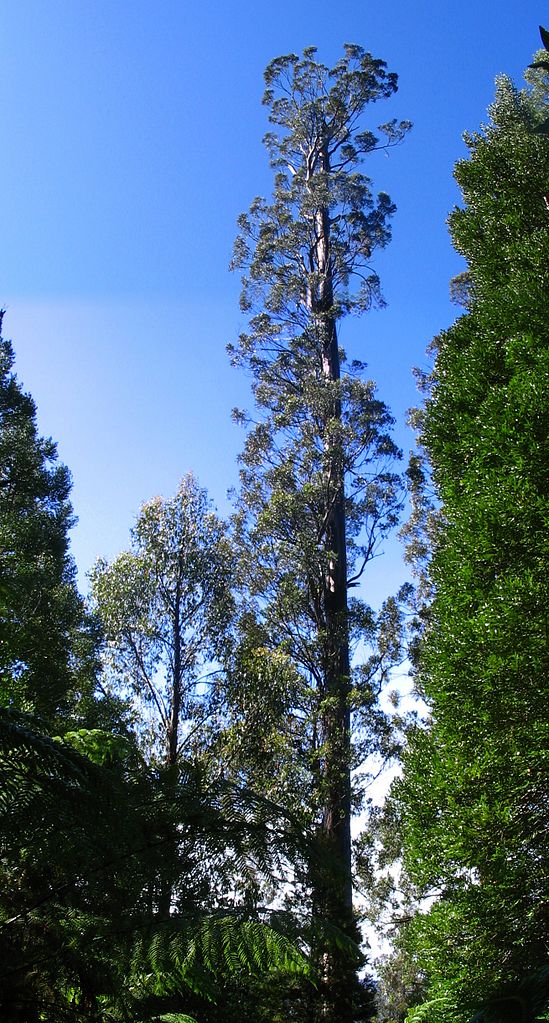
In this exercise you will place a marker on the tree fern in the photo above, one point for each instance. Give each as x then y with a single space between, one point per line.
82 845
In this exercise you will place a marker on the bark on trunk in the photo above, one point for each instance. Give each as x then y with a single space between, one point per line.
334 888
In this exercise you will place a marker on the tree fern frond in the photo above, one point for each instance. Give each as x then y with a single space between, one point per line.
86 843
526 1002
181 955
35 765
436 1010
174 1017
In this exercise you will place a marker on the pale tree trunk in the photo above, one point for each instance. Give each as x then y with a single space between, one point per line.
172 755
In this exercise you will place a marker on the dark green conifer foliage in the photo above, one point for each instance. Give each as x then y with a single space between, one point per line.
317 486
47 647
473 798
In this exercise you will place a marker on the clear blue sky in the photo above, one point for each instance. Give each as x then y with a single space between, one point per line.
131 138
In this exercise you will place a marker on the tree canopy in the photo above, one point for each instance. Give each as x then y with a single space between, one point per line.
164 607
92 839
472 799
181 761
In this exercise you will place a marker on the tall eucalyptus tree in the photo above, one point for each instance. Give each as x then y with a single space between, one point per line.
317 486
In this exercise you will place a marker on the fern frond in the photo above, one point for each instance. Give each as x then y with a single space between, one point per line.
34 766
197 956
85 843
174 1017
436 1010
527 1001
171 1017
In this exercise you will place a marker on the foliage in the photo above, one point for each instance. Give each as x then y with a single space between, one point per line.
165 606
471 804
436 1010
45 633
80 844
318 491
527 1001
92 838
289 479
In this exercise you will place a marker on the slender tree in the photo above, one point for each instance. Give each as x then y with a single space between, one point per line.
164 606
317 491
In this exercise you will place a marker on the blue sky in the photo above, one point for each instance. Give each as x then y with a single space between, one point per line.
131 142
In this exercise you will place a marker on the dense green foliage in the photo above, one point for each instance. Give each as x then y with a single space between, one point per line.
473 797
83 833
44 630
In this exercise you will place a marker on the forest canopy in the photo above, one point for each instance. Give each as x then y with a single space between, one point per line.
186 832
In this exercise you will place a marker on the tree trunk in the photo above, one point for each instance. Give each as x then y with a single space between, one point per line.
172 757
334 900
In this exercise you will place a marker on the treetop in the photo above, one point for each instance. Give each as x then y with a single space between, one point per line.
315 102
